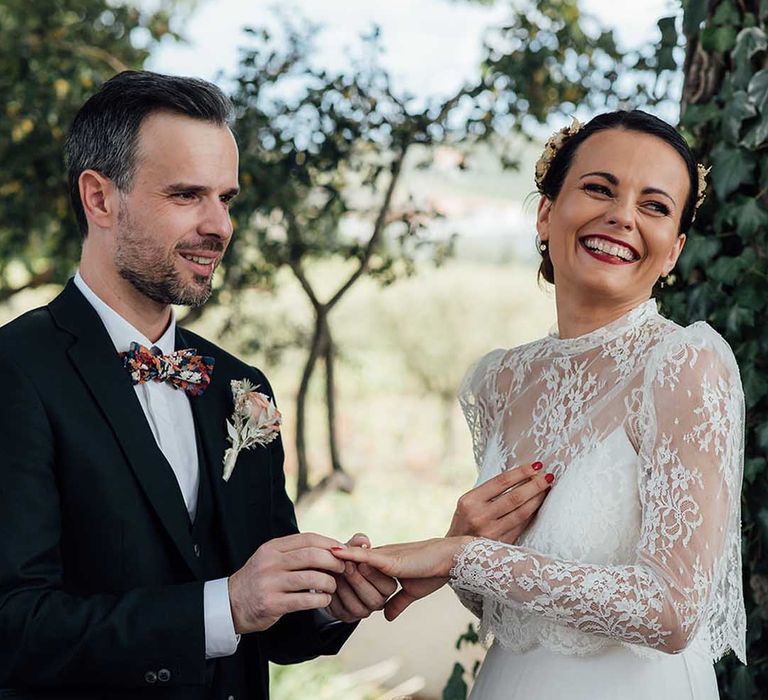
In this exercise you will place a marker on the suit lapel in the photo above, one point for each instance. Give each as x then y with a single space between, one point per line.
94 358
210 412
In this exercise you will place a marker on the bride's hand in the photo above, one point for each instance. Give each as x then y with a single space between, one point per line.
412 560
501 508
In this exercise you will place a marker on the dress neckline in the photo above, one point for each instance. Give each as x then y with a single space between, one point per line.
618 327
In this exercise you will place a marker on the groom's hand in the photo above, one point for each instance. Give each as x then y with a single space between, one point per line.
283 575
361 590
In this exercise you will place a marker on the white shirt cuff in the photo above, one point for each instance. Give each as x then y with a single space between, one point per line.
220 637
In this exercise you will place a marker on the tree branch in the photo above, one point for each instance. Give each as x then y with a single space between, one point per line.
378 227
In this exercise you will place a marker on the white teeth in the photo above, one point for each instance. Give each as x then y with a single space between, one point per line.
199 260
614 249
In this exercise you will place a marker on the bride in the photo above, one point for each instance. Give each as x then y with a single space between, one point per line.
627 583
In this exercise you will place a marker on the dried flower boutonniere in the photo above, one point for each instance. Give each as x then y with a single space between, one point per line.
255 421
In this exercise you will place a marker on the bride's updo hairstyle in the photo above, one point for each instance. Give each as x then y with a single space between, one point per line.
636 120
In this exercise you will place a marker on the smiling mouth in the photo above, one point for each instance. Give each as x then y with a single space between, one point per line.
609 250
201 264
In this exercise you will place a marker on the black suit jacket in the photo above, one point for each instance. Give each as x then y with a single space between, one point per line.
99 584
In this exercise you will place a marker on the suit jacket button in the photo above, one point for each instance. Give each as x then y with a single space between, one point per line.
196 547
163 675
150 677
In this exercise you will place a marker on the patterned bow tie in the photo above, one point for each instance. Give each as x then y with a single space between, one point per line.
183 369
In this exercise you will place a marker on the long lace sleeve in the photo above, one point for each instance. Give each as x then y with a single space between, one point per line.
687 566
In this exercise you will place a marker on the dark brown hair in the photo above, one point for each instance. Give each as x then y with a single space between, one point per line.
635 120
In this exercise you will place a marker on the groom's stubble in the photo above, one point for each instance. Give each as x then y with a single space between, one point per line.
152 271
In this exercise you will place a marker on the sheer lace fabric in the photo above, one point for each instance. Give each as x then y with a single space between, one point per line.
638 542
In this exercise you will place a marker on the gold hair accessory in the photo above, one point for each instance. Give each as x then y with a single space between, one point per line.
551 147
701 192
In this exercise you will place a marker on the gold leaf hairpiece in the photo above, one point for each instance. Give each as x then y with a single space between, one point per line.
701 191
551 147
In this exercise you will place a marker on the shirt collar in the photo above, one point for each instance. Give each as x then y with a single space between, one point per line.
120 331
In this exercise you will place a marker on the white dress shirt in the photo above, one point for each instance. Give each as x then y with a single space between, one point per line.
170 417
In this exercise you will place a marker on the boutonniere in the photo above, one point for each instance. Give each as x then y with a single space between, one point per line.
255 421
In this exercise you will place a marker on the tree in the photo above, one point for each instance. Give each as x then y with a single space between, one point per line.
723 270
322 157
52 57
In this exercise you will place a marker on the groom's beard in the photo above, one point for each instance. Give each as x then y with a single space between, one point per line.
152 271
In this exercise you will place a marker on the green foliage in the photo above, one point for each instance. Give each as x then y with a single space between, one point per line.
723 270
52 57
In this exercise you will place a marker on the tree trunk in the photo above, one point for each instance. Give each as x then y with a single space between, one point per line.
302 485
329 353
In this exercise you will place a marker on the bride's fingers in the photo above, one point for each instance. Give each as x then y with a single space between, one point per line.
397 604
509 527
508 479
512 501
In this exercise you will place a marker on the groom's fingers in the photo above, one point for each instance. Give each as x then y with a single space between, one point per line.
293 602
397 604
353 606
313 581
384 584
359 540
302 540
313 558
368 594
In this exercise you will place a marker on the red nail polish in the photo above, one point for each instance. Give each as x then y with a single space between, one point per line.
336 549
536 466
549 477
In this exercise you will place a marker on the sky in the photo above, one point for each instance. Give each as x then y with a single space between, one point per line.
431 46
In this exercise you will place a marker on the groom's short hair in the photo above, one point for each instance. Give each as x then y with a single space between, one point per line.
105 132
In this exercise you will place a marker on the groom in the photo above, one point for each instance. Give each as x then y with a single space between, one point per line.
128 567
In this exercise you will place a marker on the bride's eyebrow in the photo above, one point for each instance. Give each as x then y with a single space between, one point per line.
615 181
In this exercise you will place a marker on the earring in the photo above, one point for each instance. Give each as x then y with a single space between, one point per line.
543 245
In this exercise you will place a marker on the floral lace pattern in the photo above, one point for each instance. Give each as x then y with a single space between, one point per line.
638 541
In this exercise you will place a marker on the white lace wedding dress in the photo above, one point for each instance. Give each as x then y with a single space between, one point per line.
627 585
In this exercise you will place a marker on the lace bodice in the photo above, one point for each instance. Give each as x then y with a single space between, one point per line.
638 541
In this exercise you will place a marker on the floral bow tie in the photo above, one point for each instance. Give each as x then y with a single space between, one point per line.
183 369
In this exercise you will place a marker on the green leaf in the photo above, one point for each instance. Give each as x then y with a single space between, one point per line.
758 91
753 468
739 108
720 39
730 168
726 13
456 688
757 135
749 42
699 251
748 215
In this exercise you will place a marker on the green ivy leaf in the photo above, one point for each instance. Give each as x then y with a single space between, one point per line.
739 108
748 42
456 688
730 167
753 468
748 215
719 39
726 13
758 90
699 251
